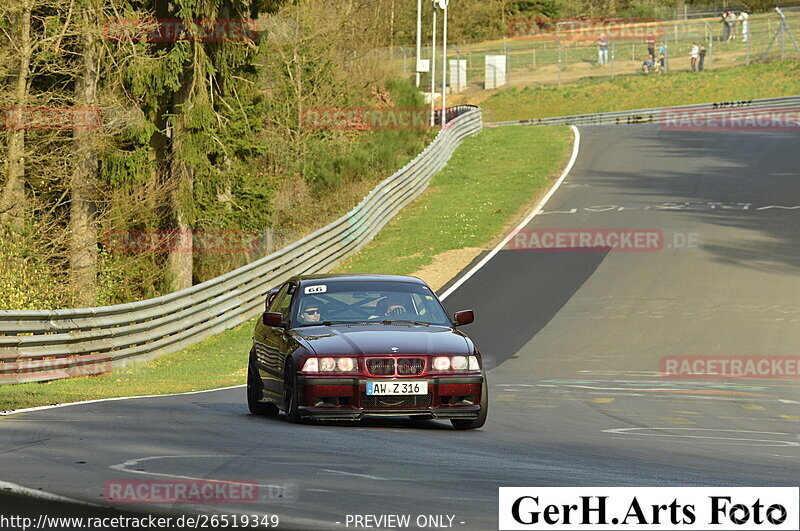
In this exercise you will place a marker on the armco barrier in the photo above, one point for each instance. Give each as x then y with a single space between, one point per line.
656 115
43 345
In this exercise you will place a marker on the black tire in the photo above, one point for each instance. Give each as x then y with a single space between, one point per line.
290 403
255 388
462 424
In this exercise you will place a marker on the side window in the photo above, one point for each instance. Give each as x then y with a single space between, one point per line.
273 306
283 300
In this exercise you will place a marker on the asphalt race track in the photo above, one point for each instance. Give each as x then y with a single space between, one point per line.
574 339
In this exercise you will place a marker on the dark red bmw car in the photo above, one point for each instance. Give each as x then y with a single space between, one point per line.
352 346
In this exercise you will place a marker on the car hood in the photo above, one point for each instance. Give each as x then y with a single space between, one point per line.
379 339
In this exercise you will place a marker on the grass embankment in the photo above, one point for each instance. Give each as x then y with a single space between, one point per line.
492 177
642 91
485 184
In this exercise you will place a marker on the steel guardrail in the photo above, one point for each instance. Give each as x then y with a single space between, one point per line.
660 114
39 345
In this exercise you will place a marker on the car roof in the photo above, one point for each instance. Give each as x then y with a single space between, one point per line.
350 277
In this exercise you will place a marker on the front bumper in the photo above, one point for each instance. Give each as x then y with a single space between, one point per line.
449 397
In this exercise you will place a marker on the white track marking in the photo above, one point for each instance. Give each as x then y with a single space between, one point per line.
53 406
534 212
352 474
717 440
123 467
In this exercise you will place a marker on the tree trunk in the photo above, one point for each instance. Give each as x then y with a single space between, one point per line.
83 230
180 260
12 202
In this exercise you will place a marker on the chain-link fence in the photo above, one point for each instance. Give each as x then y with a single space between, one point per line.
570 51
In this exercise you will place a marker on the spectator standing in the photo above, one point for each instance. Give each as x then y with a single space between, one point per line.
651 44
693 55
744 21
602 50
731 18
726 29
662 55
702 56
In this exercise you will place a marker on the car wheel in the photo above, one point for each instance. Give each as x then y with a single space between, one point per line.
462 424
255 388
290 398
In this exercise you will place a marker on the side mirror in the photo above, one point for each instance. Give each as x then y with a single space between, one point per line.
272 319
464 317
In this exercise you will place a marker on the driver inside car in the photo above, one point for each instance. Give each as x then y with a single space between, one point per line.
311 312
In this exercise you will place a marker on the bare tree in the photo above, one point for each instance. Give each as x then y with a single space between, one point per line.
12 201
83 230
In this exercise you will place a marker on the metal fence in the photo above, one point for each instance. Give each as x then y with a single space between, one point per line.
50 344
569 51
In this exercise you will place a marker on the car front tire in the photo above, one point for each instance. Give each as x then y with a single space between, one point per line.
290 395
255 391
462 424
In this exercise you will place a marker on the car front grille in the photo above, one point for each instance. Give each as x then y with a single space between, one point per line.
381 366
395 401
395 366
410 366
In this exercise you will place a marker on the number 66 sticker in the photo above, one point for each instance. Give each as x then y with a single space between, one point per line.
315 289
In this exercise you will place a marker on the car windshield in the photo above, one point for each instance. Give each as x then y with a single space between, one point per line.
356 302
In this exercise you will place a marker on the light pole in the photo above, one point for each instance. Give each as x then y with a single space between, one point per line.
443 5
419 38
433 69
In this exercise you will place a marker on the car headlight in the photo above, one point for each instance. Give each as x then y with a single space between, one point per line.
329 364
441 363
311 365
345 364
459 363
455 363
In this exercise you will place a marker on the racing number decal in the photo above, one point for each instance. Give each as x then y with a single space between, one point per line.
316 289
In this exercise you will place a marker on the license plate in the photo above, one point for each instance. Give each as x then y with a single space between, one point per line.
397 388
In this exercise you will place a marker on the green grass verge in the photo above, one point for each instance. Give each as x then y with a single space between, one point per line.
218 361
642 91
492 177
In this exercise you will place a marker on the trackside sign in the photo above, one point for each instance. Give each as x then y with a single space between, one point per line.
650 508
